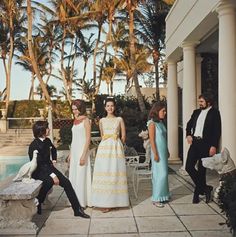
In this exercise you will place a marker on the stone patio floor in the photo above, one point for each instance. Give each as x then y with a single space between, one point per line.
179 218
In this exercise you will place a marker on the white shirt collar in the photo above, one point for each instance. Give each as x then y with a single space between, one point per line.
42 138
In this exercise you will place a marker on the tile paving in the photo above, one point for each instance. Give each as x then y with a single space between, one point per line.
179 217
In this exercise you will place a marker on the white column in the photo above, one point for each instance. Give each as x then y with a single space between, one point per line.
172 113
189 89
198 76
227 74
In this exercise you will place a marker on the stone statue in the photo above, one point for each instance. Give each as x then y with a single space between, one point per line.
146 144
223 164
27 169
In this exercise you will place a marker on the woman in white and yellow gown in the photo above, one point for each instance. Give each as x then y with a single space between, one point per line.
109 186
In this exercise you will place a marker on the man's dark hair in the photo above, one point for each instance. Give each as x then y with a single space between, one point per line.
40 128
207 97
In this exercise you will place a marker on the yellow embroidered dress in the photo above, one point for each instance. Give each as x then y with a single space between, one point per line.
109 187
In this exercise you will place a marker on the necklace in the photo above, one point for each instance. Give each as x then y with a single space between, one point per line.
79 120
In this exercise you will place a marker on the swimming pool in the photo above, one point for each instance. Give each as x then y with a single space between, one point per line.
10 165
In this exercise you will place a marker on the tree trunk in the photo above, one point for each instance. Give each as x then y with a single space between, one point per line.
31 93
95 57
111 87
32 57
104 57
62 68
132 57
157 82
95 65
85 70
8 74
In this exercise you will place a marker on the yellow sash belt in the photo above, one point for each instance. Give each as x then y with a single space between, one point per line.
113 136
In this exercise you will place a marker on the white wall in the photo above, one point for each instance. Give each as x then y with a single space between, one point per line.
185 16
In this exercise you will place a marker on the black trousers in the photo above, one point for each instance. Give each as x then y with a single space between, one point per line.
199 149
63 182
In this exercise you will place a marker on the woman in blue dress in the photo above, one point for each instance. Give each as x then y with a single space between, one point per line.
159 154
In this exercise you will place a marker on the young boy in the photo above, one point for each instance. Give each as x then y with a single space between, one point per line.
46 171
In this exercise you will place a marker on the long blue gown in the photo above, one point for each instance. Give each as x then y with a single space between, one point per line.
160 186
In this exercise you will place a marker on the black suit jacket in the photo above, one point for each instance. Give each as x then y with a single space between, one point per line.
44 164
211 129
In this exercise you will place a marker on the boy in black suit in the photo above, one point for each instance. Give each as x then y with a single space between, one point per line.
46 171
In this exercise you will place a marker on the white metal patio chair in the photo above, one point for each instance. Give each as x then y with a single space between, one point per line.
140 171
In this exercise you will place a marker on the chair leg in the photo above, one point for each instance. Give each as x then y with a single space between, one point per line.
133 179
137 186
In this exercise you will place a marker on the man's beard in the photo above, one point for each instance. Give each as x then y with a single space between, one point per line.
203 107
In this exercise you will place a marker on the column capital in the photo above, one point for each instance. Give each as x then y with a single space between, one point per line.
171 62
225 7
189 45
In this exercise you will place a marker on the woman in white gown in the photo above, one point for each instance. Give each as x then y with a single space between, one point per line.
79 159
109 188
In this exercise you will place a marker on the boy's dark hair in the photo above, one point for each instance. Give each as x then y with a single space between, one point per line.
40 128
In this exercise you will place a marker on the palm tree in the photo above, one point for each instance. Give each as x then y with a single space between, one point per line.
131 6
11 17
87 50
119 41
151 24
87 89
110 10
99 17
141 61
51 34
32 55
71 18
51 91
41 56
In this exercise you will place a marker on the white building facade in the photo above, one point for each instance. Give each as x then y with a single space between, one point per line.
194 28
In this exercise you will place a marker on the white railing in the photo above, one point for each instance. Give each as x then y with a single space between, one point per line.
20 123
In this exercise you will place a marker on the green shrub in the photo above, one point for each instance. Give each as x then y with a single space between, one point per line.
65 135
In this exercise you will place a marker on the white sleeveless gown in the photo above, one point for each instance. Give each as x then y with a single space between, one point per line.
80 176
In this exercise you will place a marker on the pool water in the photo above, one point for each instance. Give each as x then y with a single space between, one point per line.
10 165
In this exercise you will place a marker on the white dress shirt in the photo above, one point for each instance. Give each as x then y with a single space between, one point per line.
200 122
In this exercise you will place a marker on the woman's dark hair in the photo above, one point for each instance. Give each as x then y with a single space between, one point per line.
207 97
154 111
80 105
109 99
40 128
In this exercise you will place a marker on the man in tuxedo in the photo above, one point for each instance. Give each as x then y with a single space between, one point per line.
203 133
47 172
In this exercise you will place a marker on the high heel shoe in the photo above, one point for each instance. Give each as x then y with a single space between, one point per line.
158 204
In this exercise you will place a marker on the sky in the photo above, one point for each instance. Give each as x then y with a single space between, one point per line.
21 81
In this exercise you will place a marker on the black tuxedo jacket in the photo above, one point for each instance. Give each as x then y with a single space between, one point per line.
211 129
44 164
